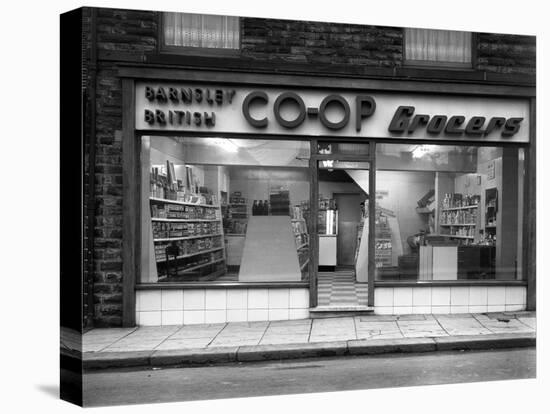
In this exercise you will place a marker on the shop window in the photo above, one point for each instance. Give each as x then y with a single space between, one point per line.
218 210
437 48
448 213
209 32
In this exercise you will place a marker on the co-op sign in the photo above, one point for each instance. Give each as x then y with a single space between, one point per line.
334 113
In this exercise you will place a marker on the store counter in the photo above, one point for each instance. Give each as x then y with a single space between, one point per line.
327 249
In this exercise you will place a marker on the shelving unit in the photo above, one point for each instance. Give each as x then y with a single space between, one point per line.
301 237
461 222
236 215
194 231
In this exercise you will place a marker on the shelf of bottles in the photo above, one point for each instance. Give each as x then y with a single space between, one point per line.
383 239
491 210
301 237
236 214
382 242
459 214
186 227
328 217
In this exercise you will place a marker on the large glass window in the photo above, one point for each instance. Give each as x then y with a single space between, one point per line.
224 210
448 212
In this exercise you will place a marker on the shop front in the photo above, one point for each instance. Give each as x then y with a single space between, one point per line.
252 197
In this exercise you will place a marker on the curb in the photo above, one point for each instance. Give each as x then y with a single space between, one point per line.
223 355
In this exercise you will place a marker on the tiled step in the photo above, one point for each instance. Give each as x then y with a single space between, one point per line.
339 311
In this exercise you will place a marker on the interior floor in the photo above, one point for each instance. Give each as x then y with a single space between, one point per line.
339 288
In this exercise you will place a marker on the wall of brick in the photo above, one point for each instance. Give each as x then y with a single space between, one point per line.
506 53
123 31
314 42
134 33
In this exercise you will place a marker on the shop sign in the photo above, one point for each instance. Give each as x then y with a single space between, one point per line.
271 111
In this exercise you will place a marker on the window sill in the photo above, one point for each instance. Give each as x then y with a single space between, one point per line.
221 285
419 283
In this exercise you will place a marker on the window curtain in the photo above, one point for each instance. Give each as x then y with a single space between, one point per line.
438 45
197 30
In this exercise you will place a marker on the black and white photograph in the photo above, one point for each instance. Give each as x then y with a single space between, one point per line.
277 206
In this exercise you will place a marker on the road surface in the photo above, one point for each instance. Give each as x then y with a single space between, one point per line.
304 376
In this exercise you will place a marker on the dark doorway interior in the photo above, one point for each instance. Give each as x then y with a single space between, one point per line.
349 215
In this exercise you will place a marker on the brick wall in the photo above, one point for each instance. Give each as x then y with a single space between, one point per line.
506 53
129 33
125 31
314 42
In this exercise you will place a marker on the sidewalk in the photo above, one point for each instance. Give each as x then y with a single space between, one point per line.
257 341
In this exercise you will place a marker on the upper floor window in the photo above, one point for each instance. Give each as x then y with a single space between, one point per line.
185 30
438 47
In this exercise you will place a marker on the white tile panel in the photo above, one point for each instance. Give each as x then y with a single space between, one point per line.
441 296
237 315
257 315
215 316
237 298
402 310
459 295
477 308
149 318
191 317
216 299
478 296
496 295
383 310
299 298
278 314
278 299
149 300
515 295
422 296
402 296
172 317
172 300
298 314
459 309
258 299
193 299
383 296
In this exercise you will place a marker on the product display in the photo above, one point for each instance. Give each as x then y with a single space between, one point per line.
279 202
458 217
186 226
236 215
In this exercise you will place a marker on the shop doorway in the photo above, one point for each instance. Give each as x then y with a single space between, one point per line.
349 217
342 232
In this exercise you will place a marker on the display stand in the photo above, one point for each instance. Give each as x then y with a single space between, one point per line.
269 253
194 231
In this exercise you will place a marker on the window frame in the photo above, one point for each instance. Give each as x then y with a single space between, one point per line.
163 48
414 63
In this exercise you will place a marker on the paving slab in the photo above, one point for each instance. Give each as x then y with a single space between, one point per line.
512 325
374 329
466 325
198 331
188 343
420 328
240 334
529 321
285 339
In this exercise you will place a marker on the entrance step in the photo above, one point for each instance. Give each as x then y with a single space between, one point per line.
339 311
